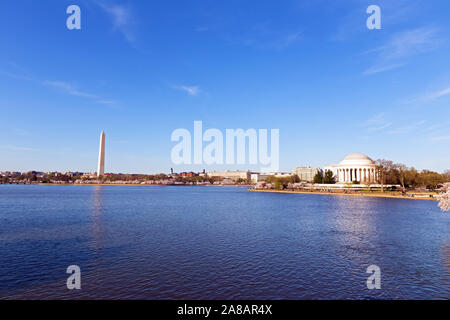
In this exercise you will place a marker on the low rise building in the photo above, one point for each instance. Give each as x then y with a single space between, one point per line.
306 173
231 175
257 177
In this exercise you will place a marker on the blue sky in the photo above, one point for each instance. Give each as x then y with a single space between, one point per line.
141 69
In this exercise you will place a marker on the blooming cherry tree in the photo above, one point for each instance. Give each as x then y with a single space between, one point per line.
444 200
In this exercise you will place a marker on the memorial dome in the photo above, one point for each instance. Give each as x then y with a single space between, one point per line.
357 159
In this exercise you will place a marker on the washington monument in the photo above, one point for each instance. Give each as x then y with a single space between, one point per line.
101 156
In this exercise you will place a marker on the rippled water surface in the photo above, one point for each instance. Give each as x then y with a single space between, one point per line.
217 243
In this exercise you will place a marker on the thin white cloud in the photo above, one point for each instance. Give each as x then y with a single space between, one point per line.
379 128
407 129
122 18
374 120
428 97
63 86
376 123
438 126
69 89
439 94
379 123
439 138
16 148
263 36
191 90
285 41
15 76
397 51
378 69
18 72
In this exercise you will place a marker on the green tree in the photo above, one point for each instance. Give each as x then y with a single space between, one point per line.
277 184
328 177
318 177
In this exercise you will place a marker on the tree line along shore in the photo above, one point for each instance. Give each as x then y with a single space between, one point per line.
388 173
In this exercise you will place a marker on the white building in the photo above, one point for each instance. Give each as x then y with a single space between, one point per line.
257 177
306 173
232 175
354 167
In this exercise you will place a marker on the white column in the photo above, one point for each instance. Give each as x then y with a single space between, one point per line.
358 175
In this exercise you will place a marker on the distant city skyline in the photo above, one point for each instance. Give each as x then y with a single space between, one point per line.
141 70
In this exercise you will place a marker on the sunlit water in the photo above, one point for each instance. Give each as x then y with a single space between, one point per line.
217 243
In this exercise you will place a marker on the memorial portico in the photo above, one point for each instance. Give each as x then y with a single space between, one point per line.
354 167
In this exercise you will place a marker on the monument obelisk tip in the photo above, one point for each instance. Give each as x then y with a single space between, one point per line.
101 156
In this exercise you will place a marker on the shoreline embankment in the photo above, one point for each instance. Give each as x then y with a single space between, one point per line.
392 195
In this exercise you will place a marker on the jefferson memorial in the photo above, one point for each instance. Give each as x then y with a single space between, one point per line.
354 167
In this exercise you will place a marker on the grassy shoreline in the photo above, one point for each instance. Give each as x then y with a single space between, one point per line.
362 194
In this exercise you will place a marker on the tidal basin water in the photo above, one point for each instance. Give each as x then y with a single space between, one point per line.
217 243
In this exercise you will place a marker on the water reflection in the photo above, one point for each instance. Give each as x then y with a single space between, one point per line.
355 233
445 248
354 216
97 213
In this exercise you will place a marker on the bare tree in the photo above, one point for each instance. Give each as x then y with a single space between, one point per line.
402 173
383 166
